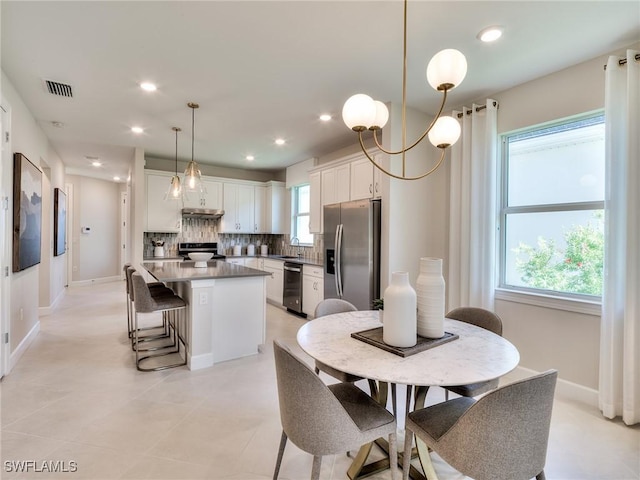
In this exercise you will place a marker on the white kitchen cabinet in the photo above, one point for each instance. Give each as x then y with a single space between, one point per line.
275 280
259 205
335 184
163 216
312 288
254 262
235 261
238 203
275 211
211 197
377 179
361 179
315 212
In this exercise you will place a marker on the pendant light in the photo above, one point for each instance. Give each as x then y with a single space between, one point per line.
175 188
445 71
192 175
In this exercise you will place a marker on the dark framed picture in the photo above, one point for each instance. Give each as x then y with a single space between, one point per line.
27 213
59 221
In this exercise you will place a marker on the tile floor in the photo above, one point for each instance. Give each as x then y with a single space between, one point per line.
75 396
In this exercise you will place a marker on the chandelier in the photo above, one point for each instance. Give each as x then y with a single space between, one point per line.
192 175
445 71
175 188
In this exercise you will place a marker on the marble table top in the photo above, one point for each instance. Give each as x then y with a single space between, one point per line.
185 271
476 356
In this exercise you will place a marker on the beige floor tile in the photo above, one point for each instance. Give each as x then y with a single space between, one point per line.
76 395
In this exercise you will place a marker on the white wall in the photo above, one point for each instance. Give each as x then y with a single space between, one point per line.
96 255
546 337
25 296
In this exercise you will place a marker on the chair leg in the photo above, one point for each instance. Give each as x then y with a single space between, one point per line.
406 456
425 460
541 476
393 455
283 443
315 470
394 404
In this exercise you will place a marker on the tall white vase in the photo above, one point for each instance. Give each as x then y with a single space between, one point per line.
430 292
399 328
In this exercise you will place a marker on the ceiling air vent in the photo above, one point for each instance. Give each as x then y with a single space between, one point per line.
57 88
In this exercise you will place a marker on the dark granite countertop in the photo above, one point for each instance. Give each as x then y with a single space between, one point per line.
185 271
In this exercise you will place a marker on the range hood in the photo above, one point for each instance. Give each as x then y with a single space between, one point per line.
202 213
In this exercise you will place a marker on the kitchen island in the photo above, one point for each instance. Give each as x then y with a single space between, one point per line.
226 308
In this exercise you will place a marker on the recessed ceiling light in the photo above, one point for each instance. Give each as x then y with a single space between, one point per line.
279 141
57 124
250 158
490 34
325 117
137 129
116 178
148 87
96 163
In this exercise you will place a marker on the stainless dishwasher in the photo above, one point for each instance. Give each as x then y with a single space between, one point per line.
292 288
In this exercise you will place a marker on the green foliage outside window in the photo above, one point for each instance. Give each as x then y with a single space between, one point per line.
577 268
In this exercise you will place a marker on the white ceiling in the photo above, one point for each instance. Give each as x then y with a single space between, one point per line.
263 69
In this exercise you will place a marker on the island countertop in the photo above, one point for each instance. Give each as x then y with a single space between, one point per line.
185 271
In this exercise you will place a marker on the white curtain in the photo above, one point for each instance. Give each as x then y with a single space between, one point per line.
620 328
473 212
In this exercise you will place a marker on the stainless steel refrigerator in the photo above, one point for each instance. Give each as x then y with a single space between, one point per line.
352 252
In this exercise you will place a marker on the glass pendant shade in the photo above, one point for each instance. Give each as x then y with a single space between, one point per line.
359 111
175 189
445 132
382 115
192 177
446 68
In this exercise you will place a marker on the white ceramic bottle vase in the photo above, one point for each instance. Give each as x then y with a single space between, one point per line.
430 292
399 328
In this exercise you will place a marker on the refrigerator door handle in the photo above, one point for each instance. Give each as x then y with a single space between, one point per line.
338 261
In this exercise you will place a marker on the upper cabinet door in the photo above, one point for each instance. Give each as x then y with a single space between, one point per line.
162 215
211 197
259 216
362 179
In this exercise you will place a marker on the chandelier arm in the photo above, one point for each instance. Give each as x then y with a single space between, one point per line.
398 152
401 177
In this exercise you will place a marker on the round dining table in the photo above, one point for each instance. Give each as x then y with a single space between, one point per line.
472 355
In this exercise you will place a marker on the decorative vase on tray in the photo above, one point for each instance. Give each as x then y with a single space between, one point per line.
430 289
399 328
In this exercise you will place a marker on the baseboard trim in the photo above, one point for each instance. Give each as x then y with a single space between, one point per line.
43 311
22 347
197 362
565 389
93 281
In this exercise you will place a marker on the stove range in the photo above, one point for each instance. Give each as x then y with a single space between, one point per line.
184 248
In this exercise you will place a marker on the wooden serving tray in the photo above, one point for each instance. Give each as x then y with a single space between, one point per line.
373 337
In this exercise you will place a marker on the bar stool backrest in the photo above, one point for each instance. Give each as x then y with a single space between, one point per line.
141 294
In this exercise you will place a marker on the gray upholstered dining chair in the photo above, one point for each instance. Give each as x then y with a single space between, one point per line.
501 436
484 319
326 419
330 306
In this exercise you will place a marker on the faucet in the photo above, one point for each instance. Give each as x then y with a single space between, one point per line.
296 239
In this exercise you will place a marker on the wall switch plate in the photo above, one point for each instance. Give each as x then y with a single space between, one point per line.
204 298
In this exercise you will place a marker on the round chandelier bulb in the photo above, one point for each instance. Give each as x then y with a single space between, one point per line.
445 132
382 115
446 68
359 111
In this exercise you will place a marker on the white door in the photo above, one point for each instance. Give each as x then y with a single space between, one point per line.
5 234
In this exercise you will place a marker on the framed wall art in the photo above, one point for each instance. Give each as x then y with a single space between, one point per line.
27 213
59 221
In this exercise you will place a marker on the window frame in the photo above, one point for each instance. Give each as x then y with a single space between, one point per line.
295 213
577 302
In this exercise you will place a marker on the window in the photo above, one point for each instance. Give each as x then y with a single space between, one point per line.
552 209
301 204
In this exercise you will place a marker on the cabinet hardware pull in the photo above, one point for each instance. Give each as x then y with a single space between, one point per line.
370 188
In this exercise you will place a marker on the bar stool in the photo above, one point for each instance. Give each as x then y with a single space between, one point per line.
171 305
157 289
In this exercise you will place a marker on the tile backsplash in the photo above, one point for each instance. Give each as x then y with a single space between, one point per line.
206 230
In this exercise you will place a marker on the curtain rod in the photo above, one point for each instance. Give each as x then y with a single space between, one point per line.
623 61
470 111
